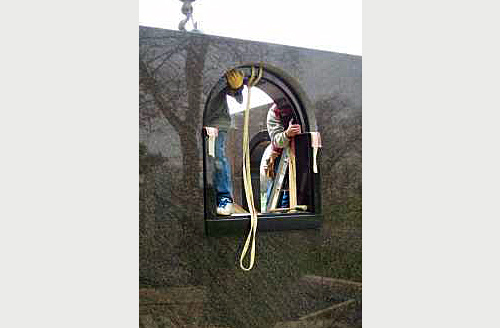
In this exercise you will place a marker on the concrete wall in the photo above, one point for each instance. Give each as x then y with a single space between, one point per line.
177 72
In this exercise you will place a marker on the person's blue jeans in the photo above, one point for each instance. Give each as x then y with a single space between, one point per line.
222 173
283 201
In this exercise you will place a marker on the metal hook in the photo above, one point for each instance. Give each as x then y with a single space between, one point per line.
187 9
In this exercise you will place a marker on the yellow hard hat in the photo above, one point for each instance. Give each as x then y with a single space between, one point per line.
234 78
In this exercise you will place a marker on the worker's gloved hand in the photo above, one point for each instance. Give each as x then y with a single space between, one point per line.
270 162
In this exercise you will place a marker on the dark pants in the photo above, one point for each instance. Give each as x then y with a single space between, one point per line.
222 174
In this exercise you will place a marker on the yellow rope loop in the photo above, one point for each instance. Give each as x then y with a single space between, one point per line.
247 181
260 74
250 80
253 82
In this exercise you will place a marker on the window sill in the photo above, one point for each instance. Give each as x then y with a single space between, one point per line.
239 224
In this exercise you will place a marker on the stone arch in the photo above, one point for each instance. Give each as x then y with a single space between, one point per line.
279 86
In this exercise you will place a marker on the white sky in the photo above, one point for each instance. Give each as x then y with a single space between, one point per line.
259 97
332 25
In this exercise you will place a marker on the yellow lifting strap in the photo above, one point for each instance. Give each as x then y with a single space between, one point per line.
247 181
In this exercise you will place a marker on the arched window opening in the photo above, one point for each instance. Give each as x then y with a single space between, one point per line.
272 191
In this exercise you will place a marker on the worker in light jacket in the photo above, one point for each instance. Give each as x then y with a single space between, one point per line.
279 117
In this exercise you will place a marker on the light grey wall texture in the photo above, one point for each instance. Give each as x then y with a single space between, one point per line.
177 72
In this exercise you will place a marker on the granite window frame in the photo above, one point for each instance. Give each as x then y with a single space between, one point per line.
237 224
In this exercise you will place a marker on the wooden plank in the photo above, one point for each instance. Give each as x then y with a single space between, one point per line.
345 288
336 311
239 209
306 324
286 209
331 281
272 202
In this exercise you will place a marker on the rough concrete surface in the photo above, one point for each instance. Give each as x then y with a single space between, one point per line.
190 280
